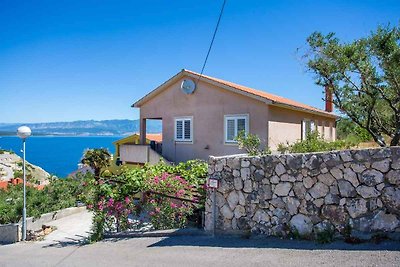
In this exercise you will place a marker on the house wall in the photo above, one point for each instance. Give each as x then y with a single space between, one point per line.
207 105
285 125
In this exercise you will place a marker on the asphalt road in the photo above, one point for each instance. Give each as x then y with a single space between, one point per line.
200 251
64 247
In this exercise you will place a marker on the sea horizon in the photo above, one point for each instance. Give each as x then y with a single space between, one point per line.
58 155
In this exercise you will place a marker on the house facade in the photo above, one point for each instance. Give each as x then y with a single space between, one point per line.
201 116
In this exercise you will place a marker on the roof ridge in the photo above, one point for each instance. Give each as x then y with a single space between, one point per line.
274 98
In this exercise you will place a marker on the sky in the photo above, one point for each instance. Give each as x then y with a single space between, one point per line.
78 60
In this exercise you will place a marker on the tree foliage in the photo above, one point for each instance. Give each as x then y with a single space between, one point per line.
97 159
364 77
346 129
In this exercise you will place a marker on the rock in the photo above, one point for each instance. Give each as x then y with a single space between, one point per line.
220 200
292 205
362 155
346 156
287 178
245 173
331 199
335 214
226 212
233 163
282 189
248 188
265 192
326 178
318 202
351 176
367 192
382 166
277 203
294 162
357 167
396 164
280 169
261 216
356 207
308 182
236 173
393 177
302 224
312 163
391 199
299 190
384 222
371 177
333 189
224 187
382 153
342 202
239 212
337 173
245 163
233 199
346 189
319 190
242 200
238 183
219 166
259 175
379 187
274 179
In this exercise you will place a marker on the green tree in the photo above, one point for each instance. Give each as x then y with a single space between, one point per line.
96 159
346 129
363 77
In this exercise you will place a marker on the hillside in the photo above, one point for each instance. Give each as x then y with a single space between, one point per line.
83 128
11 166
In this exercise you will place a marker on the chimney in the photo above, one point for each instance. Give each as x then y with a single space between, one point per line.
328 99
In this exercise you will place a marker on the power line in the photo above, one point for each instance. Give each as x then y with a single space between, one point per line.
212 40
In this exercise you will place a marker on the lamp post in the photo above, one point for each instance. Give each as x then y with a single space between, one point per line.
24 132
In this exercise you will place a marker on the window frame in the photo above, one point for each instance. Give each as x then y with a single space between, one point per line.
313 127
183 119
235 117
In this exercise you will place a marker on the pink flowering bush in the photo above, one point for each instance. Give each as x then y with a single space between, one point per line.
170 201
168 191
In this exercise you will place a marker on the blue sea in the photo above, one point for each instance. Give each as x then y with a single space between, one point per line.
57 155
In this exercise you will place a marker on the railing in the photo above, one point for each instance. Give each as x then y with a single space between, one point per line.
140 154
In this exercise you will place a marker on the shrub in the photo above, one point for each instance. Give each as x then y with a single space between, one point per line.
59 194
166 212
163 182
314 143
251 143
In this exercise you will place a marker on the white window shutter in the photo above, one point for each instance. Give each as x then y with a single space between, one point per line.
312 126
303 130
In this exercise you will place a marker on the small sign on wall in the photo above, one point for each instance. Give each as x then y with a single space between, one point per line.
212 183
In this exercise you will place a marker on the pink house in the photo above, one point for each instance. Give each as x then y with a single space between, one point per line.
202 115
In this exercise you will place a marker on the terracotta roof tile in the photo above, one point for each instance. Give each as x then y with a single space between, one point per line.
274 98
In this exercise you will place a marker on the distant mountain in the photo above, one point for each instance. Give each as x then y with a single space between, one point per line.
83 128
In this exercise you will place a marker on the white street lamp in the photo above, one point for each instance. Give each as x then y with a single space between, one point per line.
24 132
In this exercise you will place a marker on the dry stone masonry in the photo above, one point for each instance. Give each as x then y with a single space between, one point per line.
277 194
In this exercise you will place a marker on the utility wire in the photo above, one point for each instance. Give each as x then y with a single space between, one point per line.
212 40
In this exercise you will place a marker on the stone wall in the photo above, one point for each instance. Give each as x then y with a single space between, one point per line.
275 194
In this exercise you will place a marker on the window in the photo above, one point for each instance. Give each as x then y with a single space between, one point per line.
183 129
307 126
234 124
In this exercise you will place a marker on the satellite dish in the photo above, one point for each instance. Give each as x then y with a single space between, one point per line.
188 86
